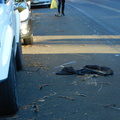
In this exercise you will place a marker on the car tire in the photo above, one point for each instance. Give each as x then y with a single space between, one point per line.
28 41
19 58
8 91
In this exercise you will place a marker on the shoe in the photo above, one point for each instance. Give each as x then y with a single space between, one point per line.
63 14
58 14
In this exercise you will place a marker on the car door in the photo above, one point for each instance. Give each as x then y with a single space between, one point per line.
11 13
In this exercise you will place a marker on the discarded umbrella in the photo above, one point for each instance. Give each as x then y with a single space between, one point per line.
88 69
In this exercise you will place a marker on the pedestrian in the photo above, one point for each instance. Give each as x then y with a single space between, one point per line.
61 12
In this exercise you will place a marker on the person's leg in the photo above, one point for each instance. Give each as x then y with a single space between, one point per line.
59 5
63 6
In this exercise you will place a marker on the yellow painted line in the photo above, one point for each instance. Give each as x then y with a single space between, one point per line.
79 37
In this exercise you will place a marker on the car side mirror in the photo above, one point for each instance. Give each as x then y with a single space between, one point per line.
16 5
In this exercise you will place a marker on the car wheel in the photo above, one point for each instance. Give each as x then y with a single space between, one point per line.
28 41
8 91
19 59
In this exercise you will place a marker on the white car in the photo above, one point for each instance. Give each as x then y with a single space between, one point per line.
24 9
40 2
10 56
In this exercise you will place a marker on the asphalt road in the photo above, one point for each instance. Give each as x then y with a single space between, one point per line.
88 34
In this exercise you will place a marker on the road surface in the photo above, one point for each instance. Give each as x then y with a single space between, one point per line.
88 34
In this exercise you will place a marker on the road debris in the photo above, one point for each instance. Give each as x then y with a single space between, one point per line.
112 106
65 64
100 88
89 76
67 71
25 107
45 97
31 69
79 94
66 97
14 117
35 107
44 85
31 118
106 83
74 83
91 82
103 83
86 77
88 69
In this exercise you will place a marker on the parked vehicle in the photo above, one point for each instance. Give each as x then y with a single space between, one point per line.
10 56
24 9
40 2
